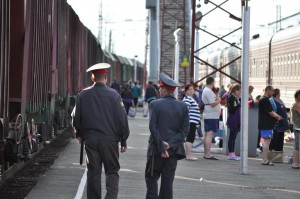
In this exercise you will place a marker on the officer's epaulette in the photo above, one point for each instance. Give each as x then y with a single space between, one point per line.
83 89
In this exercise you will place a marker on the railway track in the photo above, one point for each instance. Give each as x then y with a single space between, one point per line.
21 183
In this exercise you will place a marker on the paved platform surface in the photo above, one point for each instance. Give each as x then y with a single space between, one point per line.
202 179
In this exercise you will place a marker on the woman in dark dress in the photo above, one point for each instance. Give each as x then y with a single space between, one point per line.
282 125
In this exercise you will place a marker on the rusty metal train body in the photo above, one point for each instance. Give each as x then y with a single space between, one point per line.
273 60
45 50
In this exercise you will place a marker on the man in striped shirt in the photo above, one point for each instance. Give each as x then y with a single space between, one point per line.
194 114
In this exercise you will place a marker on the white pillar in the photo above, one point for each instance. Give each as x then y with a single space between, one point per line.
245 94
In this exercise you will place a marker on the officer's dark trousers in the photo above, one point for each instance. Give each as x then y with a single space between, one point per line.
164 168
98 153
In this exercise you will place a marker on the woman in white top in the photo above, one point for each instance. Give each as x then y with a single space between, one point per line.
194 113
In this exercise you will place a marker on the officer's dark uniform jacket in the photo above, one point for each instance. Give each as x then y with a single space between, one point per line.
169 122
99 114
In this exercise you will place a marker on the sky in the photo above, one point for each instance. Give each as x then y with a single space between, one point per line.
262 12
127 20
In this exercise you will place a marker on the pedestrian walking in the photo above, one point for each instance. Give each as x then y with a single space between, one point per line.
127 98
234 119
266 122
279 128
101 123
169 126
136 93
194 114
211 115
296 126
115 85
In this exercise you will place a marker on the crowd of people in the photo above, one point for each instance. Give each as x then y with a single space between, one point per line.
130 93
205 103
172 124
273 120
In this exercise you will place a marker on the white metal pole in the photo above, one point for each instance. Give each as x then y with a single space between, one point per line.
135 70
245 94
196 62
158 53
176 67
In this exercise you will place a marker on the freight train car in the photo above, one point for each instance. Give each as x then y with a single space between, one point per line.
45 51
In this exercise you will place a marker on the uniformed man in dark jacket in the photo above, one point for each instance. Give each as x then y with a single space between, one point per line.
100 120
169 126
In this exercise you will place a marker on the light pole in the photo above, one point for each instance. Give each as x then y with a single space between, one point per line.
177 35
135 69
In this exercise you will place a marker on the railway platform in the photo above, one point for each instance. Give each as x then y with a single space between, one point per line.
199 179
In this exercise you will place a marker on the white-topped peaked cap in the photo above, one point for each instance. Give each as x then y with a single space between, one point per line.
99 68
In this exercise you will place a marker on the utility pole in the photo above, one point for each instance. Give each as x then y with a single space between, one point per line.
146 52
109 42
100 23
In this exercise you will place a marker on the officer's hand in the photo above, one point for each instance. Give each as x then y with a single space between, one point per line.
165 154
123 149
167 145
79 140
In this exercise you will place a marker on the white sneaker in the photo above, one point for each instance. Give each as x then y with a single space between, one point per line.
235 158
